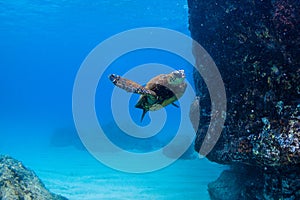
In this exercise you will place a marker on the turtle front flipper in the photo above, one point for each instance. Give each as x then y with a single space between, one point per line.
129 85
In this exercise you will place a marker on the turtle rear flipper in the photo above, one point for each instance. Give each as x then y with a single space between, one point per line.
143 115
143 105
174 104
129 85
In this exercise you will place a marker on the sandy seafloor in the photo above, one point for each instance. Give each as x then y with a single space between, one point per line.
77 175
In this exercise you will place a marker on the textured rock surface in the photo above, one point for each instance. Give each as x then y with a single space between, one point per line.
249 182
17 182
226 187
256 46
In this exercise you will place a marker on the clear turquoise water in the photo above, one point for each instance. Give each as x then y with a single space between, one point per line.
43 44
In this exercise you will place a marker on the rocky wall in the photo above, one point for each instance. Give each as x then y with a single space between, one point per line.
256 46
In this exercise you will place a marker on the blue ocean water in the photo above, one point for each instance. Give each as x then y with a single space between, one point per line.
43 44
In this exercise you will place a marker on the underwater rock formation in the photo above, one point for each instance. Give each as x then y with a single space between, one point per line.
17 182
256 46
64 137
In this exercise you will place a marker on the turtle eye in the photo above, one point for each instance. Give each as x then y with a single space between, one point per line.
176 73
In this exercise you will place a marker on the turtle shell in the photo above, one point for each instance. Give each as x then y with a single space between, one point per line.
166 90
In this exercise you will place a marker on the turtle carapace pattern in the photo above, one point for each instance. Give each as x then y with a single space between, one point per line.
159 92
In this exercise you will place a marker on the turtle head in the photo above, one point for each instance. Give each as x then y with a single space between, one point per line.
177 77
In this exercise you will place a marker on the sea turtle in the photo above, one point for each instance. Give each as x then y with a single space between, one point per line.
159 92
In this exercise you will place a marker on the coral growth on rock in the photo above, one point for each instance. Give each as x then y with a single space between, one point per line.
17 182
256 46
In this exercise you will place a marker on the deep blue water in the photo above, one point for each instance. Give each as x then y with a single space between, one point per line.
44 43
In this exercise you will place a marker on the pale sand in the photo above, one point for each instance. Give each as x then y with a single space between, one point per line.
75 174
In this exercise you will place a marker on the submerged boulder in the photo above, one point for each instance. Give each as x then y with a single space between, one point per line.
256 46
18 182
64 137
